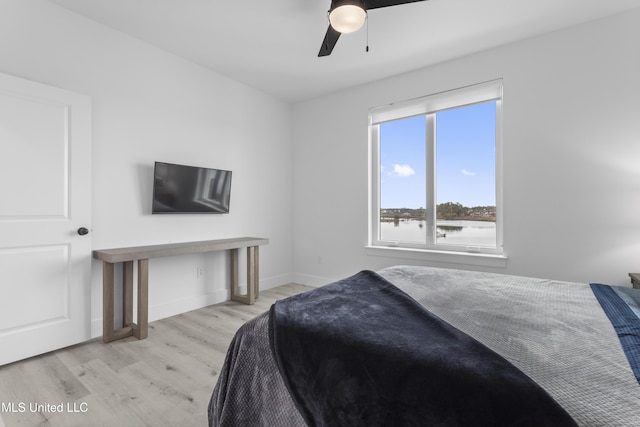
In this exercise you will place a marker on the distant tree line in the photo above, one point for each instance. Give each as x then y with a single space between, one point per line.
445 211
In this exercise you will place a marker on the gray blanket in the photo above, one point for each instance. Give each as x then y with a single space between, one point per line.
555 332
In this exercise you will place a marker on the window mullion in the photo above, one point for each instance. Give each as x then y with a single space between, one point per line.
374 183
431 178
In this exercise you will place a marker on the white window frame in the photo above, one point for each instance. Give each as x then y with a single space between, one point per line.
428 106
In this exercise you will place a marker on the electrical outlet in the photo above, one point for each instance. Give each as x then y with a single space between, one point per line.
199 272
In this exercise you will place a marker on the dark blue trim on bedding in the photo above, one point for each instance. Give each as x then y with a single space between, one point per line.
625 322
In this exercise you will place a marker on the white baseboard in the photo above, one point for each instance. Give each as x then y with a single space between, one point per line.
182 305
311 280
272 282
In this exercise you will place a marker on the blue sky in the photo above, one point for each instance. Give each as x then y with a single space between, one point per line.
465 153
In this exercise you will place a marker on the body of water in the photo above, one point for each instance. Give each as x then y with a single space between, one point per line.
462 233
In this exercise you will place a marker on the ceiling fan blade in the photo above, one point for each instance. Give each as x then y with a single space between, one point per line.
376 4
330 40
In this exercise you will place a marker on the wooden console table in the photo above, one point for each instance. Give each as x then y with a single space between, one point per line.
142 254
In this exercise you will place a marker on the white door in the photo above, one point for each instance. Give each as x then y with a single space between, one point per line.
45 197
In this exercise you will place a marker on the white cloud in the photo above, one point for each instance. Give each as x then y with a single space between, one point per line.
403 170
467 173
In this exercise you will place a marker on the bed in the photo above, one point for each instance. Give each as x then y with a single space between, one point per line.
411 345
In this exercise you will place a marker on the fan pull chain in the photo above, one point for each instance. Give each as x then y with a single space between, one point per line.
367 49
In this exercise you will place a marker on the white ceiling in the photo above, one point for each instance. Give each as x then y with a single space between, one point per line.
272 45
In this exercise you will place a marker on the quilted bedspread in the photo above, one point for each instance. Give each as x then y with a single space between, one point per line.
554 332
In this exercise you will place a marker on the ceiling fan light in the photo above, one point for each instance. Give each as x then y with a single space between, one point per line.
347 18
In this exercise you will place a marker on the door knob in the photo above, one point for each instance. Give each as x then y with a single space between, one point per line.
82 231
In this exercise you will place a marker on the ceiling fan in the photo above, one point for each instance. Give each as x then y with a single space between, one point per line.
347 16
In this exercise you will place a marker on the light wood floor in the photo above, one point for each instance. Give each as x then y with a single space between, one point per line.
165 380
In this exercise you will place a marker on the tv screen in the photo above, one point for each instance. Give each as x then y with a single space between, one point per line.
190 189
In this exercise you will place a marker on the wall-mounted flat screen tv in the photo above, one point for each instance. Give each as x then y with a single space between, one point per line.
190 189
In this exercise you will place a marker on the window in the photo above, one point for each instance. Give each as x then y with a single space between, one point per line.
435 171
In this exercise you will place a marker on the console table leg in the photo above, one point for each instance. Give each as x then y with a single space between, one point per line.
127 293
142 329
252 283
251 273
256 271
107 301
108 315
233 273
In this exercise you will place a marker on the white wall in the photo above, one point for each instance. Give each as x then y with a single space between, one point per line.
150 105
571 158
